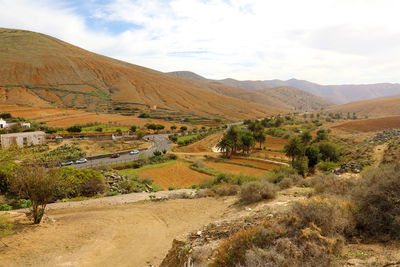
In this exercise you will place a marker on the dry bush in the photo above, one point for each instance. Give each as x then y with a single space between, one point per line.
38 184
285 183
226 189
271 244
377 200
200 164
256 191
180 195
331 216
205 193
92 187
332 184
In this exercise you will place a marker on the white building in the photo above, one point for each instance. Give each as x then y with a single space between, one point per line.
22 139
3 124
25 124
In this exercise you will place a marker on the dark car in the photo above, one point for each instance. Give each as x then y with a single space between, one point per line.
115 155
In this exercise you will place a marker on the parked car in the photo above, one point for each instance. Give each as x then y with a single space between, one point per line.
82 160
115 155
59 137
81 136
67 163
134 152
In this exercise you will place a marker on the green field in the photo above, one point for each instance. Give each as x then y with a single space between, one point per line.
133 172
188 137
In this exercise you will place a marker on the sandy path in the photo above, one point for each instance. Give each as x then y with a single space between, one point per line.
378 154
120 235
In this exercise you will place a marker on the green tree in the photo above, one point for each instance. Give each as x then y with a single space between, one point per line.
260 137
305 138
226 146
313 155
183 128
247 142
173 127
133 128
293 149
74 129
329 151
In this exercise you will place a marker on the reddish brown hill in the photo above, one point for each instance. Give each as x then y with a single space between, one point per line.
373 107
42 71
371 125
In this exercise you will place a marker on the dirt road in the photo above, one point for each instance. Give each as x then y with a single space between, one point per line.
137 234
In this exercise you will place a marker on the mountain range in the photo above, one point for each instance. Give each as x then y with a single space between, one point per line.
338 94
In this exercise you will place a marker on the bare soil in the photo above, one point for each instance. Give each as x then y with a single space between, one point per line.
176 174
136 234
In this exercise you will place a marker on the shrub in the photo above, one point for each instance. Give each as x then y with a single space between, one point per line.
332 217
173 156
74 129
144 115
286 182
225 189
5 207
377 202
38 184
157 153
228 178
332 184
277 175
327 166
301 165
22 204
172 188
5 225
329 151
82 182
92 187
256 191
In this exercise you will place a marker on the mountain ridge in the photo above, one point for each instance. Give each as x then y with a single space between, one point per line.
40 70
338 94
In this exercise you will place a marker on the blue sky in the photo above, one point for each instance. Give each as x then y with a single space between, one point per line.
330 41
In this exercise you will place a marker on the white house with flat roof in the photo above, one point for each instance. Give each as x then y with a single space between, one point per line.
3 124
23 139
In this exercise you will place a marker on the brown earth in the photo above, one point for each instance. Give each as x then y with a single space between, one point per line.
372 107
42 71
254 162
136 234
58 117
371 125
235 169
176 174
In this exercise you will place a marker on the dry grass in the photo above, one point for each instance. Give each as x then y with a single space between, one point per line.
176 174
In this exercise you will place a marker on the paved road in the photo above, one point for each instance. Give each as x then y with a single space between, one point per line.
160 142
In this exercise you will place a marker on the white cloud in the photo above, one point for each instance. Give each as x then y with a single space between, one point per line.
331 41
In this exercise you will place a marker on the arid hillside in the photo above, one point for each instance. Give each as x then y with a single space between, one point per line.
41 71
373 107
284 97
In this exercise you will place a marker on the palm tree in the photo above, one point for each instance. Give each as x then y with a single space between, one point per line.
226 146
293 149
260 137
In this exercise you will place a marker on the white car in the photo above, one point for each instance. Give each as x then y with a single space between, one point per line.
134 152
82 160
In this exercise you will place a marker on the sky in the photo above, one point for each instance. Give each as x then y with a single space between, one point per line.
324 41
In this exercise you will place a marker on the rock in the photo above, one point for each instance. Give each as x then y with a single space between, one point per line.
355 262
